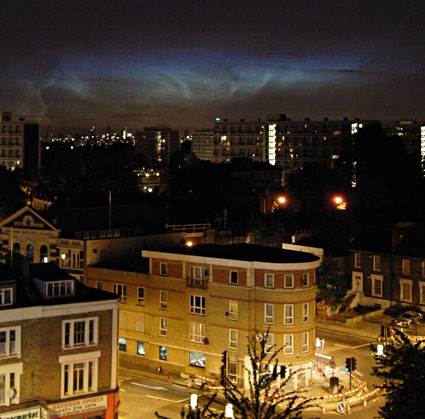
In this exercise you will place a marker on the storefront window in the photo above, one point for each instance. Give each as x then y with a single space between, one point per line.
163 353
197 359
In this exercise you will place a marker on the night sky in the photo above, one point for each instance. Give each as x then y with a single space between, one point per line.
70 64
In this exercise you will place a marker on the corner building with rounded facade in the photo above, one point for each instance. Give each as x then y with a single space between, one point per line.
208 299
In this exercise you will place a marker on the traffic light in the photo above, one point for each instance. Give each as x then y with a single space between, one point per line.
353 364
347 364
223 366
383 330
282 371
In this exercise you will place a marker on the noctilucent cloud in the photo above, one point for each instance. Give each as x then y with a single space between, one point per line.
70 65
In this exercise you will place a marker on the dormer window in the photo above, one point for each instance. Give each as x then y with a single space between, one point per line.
60 288
6 296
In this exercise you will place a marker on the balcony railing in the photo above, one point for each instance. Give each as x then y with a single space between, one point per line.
197 283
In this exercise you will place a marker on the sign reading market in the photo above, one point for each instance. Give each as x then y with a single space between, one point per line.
22 414
74 407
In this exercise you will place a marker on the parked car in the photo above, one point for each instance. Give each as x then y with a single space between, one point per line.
408 318
402 322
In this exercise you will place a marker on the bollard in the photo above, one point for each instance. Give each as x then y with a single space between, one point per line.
365 401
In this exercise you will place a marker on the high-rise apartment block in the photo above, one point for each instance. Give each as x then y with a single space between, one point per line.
412 134
277 140
19 144
58 345
157 144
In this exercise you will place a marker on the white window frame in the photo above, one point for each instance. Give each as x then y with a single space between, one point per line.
165 270
305 342
10 349
233 339
234 315
123 293
285 285
269 342
288 320
421 292
305 279
305 312
197 272
288 342
268 317
405 267
6 292
268 280
195 308
163 299
140 300
12 381
233 377
231 280
197 332
402 296
357 260
68 363
72 332
163 326
375 279
376 261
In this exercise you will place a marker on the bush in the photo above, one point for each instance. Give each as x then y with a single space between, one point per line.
397 310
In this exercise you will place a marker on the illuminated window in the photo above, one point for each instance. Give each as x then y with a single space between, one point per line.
163 296
233 310
288 310
163 353
268 313
140 348
197 332
269 280
289 281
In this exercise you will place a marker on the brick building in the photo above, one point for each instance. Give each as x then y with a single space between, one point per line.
187 305
58 345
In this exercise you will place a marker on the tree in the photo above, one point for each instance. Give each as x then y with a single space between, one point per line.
265 397
402 368
332 286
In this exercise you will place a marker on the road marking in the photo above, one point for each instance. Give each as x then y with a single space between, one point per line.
167 400
360 346
150 387
351 347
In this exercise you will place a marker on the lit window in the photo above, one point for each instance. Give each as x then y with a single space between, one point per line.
122 344
197 304
233 277
60 288
405 267
79 332
141 296
163 326
269 280
10 341
79 375
268 313
163 268
289 281
197 359
121 290
163 353
233 310
197 332
233 339
376 263
357 260
140 348
163 297
288 310
305 279
306 310
288 344
304 343
6 296
233 370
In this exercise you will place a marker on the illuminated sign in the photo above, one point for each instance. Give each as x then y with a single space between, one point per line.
74 407
272 144
22 414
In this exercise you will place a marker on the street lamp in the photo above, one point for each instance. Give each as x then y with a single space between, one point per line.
340 202
228 413
193 401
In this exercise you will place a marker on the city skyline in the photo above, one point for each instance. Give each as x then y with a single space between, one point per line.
136 64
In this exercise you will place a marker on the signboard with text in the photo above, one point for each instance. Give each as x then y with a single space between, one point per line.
22 414
74 407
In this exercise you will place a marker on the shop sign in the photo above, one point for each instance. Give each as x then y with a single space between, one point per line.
22 414
75 407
